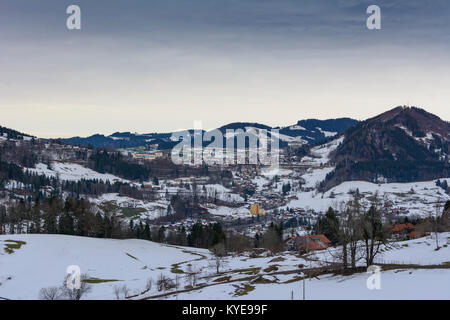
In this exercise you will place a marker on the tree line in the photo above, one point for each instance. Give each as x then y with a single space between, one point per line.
362 233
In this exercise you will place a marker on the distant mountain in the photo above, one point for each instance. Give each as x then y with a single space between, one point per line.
305 131
99 140
401 145
243 126
125 140
315 131
403 133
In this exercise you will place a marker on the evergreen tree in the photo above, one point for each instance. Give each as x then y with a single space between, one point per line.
147 234
286 188
162 234
66 224
329 226
218 235
447 206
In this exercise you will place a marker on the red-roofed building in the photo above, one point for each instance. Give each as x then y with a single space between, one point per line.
416 234
404 227
308 243
405 231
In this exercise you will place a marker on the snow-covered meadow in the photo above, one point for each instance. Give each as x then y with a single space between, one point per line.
71 172
42 260
408 284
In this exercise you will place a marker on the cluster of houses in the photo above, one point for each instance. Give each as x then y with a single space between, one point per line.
405 231
306 243
401 210
148 155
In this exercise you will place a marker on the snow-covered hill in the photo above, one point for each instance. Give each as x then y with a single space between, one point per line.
37 261
418 198
43 259
71 172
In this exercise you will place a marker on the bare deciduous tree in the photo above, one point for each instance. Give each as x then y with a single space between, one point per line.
374 234
165 283
117 292
192 275
149 284
50 293
64 292
125 291
121 292
219 254
360 231
435 221
76 293
349 233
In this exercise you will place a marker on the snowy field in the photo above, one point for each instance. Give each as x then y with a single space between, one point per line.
394 285
71 172
321 154
239 212
419 251
417 197
147 209
43 259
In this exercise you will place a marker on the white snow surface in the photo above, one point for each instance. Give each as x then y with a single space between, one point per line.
43 261
321 154
419 198
71 172
408 284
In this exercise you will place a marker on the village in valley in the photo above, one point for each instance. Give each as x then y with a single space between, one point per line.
242 227
224 150
243 197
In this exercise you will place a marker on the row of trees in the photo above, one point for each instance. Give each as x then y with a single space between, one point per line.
271 239
82 218
33 184
114 163
54 215
360 230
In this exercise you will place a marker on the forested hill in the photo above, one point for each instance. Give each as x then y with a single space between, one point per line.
12 134
401 145
304 131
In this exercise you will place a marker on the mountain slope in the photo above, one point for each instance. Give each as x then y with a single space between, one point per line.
401 145
315 131
398 134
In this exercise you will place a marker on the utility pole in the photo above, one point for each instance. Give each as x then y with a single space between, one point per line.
303 288
176 285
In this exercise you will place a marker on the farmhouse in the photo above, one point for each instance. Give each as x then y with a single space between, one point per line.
405 231
308 243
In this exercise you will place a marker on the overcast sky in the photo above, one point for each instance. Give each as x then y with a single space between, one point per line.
160 65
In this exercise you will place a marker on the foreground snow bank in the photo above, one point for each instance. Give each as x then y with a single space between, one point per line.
43 260
394 285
